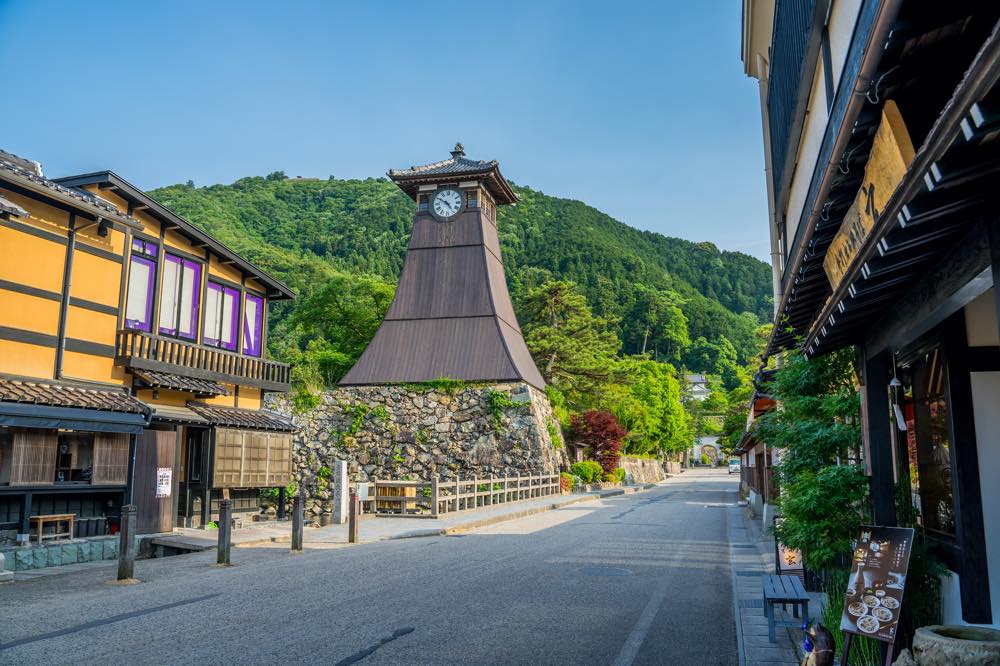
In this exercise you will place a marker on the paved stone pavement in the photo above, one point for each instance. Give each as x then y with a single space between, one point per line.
636 579
752 555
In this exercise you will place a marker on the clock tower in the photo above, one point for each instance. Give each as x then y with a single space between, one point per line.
452 316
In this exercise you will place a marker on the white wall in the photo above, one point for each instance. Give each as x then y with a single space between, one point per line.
843 17
985 399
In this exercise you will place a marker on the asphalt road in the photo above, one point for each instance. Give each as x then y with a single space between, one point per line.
640 579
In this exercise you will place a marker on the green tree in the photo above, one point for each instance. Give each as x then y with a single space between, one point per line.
817 428
574 350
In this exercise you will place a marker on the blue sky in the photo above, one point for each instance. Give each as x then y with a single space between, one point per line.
639 109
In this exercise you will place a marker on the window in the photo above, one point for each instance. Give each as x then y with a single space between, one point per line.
141 276
179 297
253 319
74 458
221 316
928 444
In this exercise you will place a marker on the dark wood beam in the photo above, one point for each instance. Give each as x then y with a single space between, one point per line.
876 372
968 498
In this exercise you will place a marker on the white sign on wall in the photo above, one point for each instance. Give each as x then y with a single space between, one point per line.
163 481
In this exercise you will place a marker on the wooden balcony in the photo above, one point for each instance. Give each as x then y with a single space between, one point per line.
136 349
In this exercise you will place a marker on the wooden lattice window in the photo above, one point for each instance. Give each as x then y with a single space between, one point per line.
110 459
228 458
279 463
254 460
33 459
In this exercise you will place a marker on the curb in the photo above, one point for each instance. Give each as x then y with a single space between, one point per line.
475 523
514 515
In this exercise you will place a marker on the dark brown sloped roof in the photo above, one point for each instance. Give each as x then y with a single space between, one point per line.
250 419
57 394
166 380
422 350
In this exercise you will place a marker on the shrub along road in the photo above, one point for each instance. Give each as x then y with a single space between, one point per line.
638 579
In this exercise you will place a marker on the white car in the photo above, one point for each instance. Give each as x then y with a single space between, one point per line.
734 466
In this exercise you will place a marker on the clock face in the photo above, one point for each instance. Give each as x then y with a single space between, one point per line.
447 203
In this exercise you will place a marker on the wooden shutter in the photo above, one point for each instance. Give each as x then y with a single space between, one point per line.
110 459
279 459
33 459
228 462
254 460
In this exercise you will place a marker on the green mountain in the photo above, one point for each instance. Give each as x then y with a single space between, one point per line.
303 230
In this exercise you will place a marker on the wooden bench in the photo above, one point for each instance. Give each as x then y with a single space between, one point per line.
783 590
57 518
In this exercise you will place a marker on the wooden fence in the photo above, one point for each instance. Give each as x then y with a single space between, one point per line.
429 499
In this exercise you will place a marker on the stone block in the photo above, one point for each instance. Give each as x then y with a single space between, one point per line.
24 558
70 553
111 549
54 555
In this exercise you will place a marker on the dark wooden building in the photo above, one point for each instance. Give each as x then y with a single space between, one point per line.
452 316
882 143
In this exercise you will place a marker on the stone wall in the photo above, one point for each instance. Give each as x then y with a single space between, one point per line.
416 431
642 470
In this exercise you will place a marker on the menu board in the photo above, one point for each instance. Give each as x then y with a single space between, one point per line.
874 597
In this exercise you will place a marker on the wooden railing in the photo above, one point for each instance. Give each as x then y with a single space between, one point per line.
429 499
136 349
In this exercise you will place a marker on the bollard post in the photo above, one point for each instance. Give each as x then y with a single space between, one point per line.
434 496
126 548
225 532
298 509
353 518
282 498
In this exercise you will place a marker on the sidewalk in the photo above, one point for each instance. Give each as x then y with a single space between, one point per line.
380 529
751 554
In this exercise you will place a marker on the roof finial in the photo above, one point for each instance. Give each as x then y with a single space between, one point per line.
459 151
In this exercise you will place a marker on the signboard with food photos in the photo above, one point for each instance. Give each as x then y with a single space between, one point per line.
874 597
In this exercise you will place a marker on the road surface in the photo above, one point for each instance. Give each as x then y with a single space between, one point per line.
638 579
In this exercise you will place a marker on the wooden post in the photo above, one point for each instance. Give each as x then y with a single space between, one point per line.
505 495
225 531
434 496
875 413
475 493
458 488
126 551
298 518
353 518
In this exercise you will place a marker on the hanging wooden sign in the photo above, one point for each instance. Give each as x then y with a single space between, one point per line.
891 155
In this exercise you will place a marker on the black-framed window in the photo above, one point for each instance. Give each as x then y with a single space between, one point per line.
929 441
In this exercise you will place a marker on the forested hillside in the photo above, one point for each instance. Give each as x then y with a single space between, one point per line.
677 300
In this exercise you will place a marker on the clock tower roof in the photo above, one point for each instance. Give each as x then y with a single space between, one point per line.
457 166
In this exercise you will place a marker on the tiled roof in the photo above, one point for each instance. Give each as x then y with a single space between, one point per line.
251 419
167 380
457 165
171 414
54 394
31 170
11 208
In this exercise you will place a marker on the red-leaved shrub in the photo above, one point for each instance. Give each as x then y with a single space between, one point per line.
600 431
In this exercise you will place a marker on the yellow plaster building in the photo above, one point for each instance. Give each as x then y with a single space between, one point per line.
133 360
